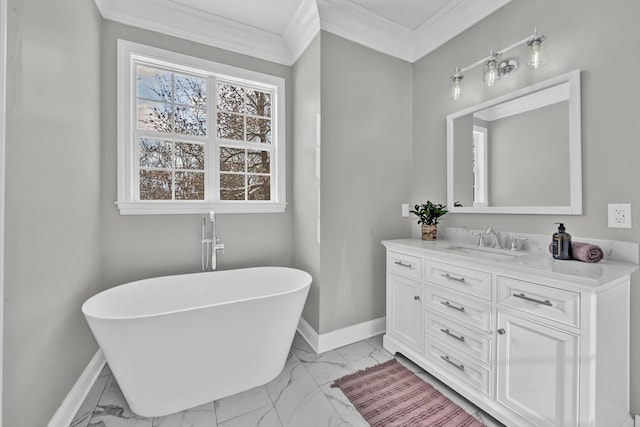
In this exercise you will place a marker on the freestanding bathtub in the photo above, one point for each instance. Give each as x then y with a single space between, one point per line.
177 342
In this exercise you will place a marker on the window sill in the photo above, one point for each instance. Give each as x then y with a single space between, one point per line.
186 207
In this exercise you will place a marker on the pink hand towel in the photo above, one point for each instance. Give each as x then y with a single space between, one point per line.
585 252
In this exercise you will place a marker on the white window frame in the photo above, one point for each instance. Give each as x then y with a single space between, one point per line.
480 166
129 55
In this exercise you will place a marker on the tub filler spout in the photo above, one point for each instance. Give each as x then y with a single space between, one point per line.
210 247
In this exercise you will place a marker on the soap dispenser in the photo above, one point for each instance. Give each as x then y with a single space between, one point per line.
561 244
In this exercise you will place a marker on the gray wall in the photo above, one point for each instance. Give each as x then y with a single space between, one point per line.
306 186
383 140
580 33
135 246
52 214
366 153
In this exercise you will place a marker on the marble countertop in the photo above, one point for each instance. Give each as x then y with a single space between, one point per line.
536 262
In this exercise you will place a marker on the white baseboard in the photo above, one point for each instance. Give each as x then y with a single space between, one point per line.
71 404
321 343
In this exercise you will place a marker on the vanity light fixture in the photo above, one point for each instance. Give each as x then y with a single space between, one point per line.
496 68
456 86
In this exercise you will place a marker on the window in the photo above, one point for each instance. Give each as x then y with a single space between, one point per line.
480 176
194 135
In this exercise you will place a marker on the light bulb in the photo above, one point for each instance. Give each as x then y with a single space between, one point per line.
537 52
491 73
455 91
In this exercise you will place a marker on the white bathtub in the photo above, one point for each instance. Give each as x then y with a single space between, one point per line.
176 342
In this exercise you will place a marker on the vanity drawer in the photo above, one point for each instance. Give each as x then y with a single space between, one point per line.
475 345
407 265
459 366
544 301
459 278
468 310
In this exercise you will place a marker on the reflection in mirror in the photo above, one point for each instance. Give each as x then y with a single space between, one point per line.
520 153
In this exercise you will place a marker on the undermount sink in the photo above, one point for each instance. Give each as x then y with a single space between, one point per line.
485 253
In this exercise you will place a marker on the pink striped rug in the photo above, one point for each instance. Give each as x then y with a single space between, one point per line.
390 395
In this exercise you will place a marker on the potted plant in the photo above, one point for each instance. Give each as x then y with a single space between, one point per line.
429 215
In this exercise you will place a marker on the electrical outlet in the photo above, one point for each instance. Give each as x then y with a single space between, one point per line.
619 215
405 210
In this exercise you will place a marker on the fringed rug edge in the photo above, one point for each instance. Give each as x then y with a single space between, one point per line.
362 372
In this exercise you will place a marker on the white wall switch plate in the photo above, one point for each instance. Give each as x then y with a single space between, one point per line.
405 210
619 215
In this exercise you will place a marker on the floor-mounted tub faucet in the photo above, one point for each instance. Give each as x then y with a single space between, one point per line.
214 241
210 247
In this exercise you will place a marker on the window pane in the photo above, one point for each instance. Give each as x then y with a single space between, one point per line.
258 161
154 84
189 156
231 186
258 103
259 187
259 130
231 126
191 91
232 159
155 185
154 116
189 185
191 121
155 153
230 98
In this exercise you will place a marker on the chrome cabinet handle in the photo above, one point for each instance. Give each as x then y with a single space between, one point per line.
448 332
448 304
451 362
403 264
526 298
457 279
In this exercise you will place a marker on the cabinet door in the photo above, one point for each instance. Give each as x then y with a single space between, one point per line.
404 311
537 371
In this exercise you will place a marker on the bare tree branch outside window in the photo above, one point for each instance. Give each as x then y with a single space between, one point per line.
171 104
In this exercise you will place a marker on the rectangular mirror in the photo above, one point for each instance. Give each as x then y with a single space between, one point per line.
519 153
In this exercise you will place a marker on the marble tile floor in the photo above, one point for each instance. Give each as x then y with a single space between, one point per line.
301 396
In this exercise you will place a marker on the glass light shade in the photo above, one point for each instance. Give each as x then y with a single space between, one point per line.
491 72
455 92
538 56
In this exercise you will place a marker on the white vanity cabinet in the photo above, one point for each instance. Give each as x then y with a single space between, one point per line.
527 345
404 298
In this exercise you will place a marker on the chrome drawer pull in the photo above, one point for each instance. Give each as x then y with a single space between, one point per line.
403 264
446 359
524 297
448 304
448 276
448 332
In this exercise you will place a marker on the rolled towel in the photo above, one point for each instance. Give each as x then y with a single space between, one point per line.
585 252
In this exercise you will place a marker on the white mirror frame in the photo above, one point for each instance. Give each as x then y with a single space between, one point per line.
575 150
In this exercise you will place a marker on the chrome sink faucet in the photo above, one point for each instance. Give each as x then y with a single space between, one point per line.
496 237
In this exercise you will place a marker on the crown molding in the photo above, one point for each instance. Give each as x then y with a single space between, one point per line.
457 17
302 28
178 20
350 21
341 17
